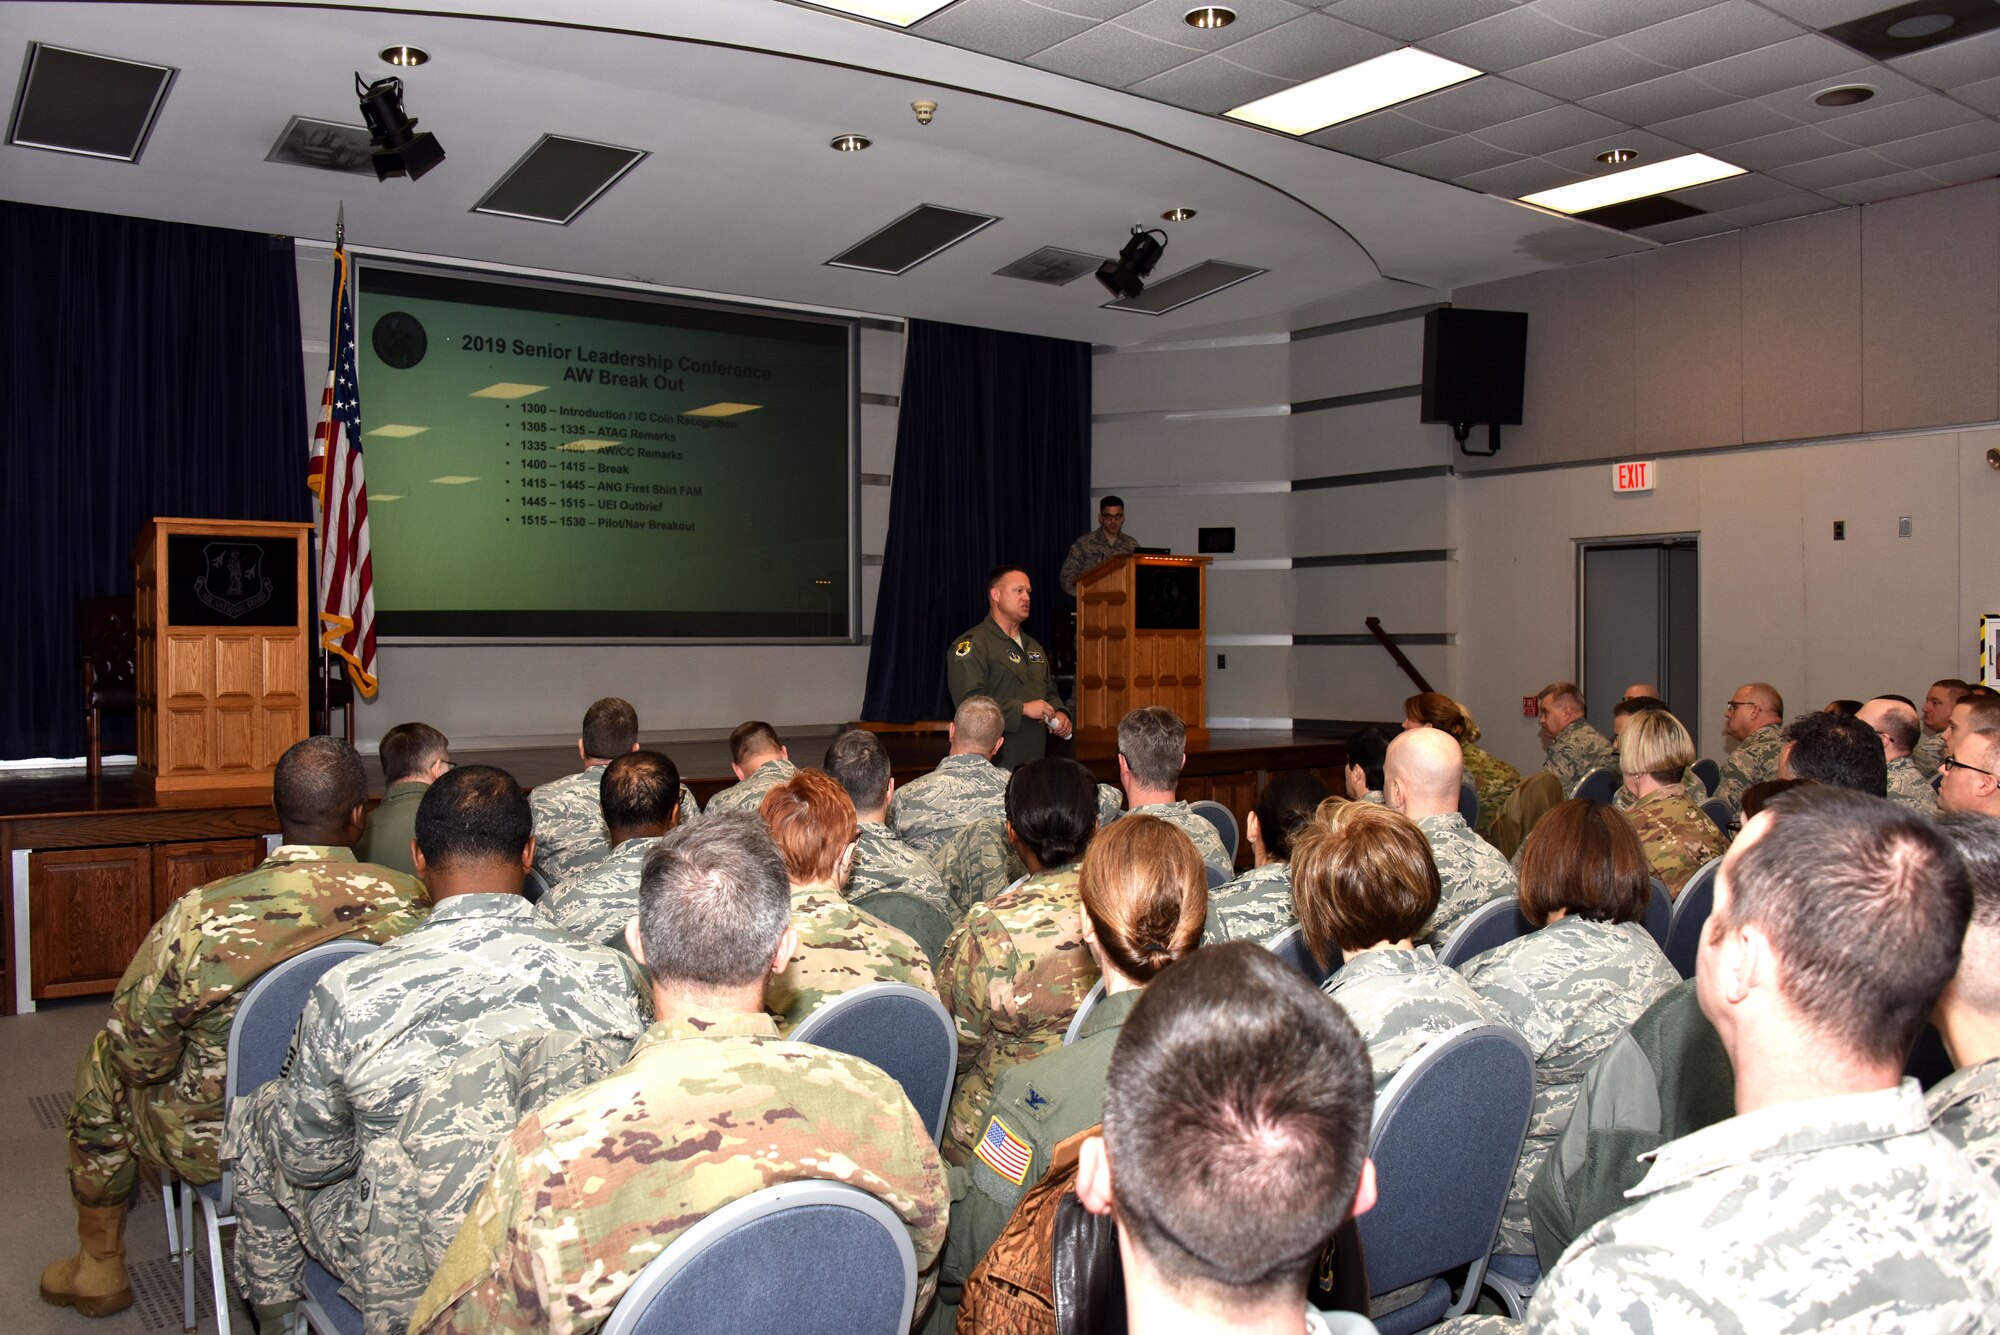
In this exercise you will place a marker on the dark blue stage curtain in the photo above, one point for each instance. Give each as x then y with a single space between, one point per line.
992 465
146 368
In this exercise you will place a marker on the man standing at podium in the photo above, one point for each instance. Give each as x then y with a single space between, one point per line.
1094 548
997 658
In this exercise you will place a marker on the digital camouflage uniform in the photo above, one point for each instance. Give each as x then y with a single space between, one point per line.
1090 551
308 1147
1401 1000
841 947
898 885
570 833
1754 761
983 661
392 824
1206 841
1493 778
1576 751
1677 835
598 900
150 1084
1965 1109
711 1108
1471 872
1570 990
926 812
1833 1214
1908 786
976 864
1014 973
1928 753
749 794
1256 906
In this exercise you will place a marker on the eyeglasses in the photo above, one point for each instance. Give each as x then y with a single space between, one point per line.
1739 704
1949 764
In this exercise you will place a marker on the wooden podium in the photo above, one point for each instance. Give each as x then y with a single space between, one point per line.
1142 639
223 612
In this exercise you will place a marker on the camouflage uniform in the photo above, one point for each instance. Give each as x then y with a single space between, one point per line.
1908 786
926 812
1110 804
897 884
1206 841
977 864
711 1107
1677 835
1090 551
309 1146
1256 906
1754 762
599 900
570 833
1965 1109
150 1084
1570 990
1014 973
1576 751
385 839
1471 872
1400 1000
1928 754
749 794
1493 778
984 661
841 947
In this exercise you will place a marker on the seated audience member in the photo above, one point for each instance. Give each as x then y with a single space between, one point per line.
1965 1105
1366 887
1895 722
569 824
966 785
1366 752
1838 750
760 762
1572 747
1571 988
413 755
1828 1202
315 1150
1628 708
1144 896
1846 708
1754 719
1641 691
1152 747
641 801
977 863
839 946
1936 714
1422 775
1969 715
149 1087
1257 905
1017 967
711 1107
1970 782
1222 1215
1758 795
1493 778
1654 752
889 878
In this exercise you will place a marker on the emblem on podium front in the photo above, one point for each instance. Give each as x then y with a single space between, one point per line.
233 581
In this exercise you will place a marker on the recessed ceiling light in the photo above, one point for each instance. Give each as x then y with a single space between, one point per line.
1636 183
1617 157
902 13
1178 215
1845 96
1209 16
405 55
1355 91
849 143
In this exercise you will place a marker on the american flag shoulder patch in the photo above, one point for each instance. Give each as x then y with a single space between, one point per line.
1004 1152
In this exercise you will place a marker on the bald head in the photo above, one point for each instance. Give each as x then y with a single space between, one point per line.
1422 773
1894 722
1641 691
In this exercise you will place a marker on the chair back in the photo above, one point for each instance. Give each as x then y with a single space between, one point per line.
1222 818
1468 803
1083 1010
1720 812
1659 912
1709 772
1447 1132
1600 785
1217 878
800 1258
902 1029
108 641
1493 923
1691 910
1290 946
535 887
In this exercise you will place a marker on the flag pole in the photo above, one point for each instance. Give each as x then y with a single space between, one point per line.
325 658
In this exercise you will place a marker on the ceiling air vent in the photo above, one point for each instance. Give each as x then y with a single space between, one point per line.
1052 265
911 239
558 179
1203 280
76 102
1916 27
327 145
1635 213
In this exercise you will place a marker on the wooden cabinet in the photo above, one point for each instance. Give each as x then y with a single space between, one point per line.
1236 791
179 868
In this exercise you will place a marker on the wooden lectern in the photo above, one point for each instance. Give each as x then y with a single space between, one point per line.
223 612
1142 639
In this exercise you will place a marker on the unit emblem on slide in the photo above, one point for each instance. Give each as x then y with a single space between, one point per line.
962 648
233 580
400 340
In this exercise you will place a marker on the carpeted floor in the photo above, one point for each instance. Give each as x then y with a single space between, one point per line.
37 1223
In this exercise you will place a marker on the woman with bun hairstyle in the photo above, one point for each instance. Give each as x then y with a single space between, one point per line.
1493 778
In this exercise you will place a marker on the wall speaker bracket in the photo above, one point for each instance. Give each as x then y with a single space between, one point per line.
1460 431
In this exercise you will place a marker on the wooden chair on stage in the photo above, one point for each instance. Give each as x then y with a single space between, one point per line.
108 638
328 693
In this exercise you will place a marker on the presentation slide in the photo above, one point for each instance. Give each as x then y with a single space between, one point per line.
552 463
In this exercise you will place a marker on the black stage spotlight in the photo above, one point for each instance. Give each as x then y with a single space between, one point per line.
399 149
1125 277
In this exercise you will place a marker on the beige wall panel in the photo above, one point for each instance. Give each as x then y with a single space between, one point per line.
1358 681
1262 520
1187 378
1978 570
1802 327
878 438
881 361
871 591
1367 437
1930 308
1379 517
874 520
1160 451
1338 600
1382 356
1687 346
1255 685
1249 602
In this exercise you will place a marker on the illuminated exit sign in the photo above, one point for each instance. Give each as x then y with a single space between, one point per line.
1632 477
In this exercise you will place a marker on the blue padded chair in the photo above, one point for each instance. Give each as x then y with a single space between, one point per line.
324 1310
1709 772
1600 785
1084 1008
1659 912
1512 1279
1720 812
535 887
1929 1062
1216 878
1290 946
902 1029
1448 1130
1691 910
801 1258
259 1038
1222 818
1468 803
1494 923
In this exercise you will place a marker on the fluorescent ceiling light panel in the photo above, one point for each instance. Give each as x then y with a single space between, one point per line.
1354 91
452 480
587 446
723 410
506 389
1634 183
395 431
902 13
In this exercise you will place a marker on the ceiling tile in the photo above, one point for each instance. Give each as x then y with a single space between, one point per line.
1966 169
1983 96
1731 124
1609 18
1899 120
1452 158
1798 102
1686 229
1826 13
1857 164
1164 19
1738 192
1519 178
1665 98
1559 127
1960 141
1727 29
1773 69
1881 187
1511 38
1476 105
1307 47
1011 29
1209 84
1587 72
1111 56
1097 10
1378 136
1782 149
1796 205
1954 63
1414 20
1583 157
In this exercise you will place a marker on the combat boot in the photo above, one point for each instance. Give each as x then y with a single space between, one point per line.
94 1281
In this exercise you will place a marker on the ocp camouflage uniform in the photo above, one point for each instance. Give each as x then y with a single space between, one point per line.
1754 761
1256 906
1570 990
1471 872
711 1108
570 833
841 947
1401 1000
1493 778
1090 551
1576 751
599 900
926 812
1689 782
1965 1109
978 863
1677 835
150 1084
1206 841
308 1146
1928 753
1014 973
749 794
1909 787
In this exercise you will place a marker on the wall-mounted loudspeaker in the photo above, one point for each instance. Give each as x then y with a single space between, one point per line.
1474 365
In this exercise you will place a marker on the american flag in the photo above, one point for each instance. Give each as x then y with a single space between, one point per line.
1004 1152
346 575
